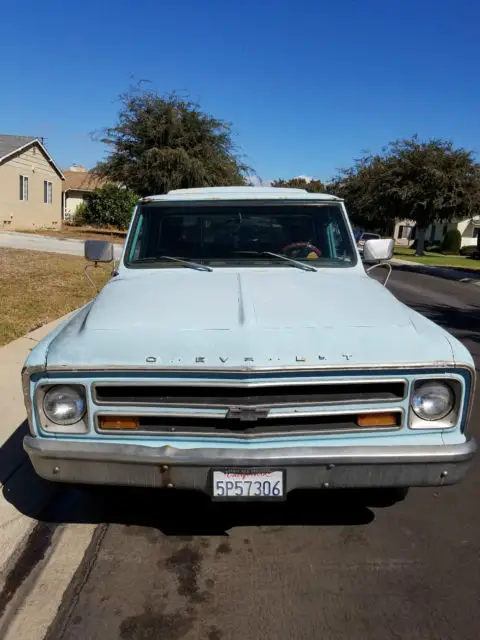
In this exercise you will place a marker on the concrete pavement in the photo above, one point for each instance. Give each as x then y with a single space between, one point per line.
15 469
14 240
23 496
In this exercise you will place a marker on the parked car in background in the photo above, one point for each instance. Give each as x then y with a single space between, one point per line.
364 237
241 349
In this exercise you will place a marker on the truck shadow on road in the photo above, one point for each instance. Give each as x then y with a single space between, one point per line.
20 484
194 514
172 513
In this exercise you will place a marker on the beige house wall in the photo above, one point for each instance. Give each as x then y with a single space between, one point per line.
73 199
34 213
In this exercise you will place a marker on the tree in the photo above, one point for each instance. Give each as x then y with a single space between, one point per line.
108 206
161 143
313 186
426 182
361 188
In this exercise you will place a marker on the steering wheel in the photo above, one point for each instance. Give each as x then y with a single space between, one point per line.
291 250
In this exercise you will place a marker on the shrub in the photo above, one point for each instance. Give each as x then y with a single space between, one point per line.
108 206
80 213
452 241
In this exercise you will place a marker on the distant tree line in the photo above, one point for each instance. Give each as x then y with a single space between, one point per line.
423 181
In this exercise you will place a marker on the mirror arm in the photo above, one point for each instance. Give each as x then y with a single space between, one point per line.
382 264
87 275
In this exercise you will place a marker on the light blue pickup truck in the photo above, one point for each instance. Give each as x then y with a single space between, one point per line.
242 349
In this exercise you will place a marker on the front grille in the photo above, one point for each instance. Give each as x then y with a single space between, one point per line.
244 396
332 423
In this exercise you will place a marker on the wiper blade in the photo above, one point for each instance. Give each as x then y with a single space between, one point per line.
185 263
295 263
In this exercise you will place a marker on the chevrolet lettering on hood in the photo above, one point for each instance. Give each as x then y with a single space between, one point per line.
242 349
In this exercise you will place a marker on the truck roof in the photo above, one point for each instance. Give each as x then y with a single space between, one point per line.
240 193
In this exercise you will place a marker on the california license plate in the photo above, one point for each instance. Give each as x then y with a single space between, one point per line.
239 484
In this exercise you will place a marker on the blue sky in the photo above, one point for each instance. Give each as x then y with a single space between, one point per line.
307 84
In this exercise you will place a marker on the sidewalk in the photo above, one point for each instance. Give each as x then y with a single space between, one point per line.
16 473
448 273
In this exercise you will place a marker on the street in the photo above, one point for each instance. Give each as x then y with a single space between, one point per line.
320 566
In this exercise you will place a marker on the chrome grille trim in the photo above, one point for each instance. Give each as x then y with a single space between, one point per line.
224 394
307 425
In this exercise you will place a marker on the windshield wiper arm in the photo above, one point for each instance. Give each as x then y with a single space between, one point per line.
185 263
296 263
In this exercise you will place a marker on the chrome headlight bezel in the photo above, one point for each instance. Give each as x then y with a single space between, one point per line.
78 424
446 419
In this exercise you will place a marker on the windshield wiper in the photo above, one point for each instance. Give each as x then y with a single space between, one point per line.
295 263
185 263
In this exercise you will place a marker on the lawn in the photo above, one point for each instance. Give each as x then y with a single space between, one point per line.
437 259
38 287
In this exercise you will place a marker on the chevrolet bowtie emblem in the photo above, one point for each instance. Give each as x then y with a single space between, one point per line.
250 414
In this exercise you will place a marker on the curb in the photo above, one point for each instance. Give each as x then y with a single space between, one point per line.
23 495
437 272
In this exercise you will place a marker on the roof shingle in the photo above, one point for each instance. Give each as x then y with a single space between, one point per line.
81 181
9 144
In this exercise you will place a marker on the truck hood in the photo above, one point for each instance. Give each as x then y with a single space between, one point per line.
248 318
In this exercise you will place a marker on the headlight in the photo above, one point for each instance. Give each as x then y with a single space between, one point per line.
64 405
432 400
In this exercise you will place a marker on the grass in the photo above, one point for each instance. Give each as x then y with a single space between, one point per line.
38 287
82 233
432 258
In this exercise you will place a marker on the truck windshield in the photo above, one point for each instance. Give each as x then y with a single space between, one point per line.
238 233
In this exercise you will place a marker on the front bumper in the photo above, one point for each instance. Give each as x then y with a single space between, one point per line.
306 468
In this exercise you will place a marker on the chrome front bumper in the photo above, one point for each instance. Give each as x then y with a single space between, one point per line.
306 468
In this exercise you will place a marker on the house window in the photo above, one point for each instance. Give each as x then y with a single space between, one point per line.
23 188
47 192
404 231
476 232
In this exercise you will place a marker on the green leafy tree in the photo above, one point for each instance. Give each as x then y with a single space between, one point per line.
312 186
108 206
426 182
161 143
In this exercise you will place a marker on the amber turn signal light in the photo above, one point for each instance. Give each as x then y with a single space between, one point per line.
377 420
118 422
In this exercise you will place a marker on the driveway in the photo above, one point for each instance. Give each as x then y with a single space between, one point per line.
13 240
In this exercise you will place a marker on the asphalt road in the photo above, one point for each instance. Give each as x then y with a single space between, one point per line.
321 566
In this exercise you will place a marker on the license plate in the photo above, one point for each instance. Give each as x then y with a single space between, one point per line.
237 484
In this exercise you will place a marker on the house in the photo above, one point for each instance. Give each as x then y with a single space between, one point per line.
78 184
405 231
30 185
